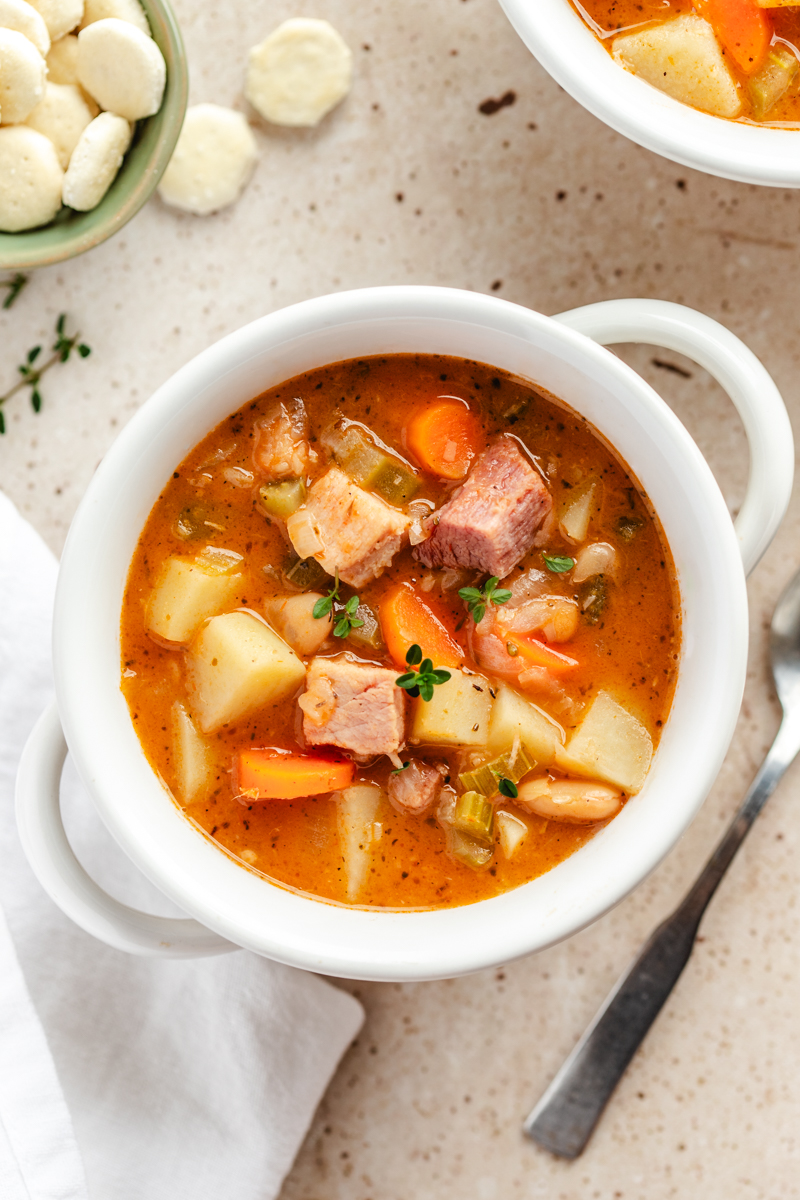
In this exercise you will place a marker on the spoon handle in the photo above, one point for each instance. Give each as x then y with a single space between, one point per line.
563 1120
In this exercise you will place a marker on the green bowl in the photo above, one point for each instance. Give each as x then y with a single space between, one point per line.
154 139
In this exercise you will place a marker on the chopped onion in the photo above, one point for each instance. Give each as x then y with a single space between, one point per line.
238 476
598 559
417 532
304 534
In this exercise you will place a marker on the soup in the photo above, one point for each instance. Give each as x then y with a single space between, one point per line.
738 59
401 632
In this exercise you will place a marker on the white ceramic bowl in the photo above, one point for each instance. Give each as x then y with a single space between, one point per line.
569 51
232 906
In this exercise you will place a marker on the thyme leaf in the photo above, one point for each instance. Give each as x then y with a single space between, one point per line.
31 375
477 598
421 682
14 286
346 618
558 564
507 787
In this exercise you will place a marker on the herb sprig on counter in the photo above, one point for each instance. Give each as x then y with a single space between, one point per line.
13 287
477 598
423 681
31 374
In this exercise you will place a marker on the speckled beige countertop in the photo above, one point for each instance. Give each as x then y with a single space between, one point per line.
540 203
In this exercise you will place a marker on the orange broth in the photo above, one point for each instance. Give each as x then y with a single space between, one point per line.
632 648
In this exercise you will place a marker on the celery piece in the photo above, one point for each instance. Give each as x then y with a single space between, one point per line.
486 777
369 466
284 498
357 455
395 482
306 574
482 780
474 816
196 521
772 80
628 527
469 852
592 597
369 634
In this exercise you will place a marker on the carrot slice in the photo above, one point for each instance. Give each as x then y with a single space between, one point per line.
270 775
444 437
407 620
743 28
536 652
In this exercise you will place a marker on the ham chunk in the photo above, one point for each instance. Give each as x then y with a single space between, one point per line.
282 449
491 522
414 789
353 530
353 705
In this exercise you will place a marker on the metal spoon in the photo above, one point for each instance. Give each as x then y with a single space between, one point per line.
563 1120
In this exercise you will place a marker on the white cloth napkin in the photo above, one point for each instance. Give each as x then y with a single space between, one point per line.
125 1078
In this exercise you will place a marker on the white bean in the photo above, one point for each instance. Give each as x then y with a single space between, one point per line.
573 800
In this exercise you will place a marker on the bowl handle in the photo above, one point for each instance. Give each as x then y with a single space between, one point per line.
54 864
747 382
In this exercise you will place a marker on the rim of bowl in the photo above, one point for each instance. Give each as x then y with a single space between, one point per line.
569 51
386 944
144 164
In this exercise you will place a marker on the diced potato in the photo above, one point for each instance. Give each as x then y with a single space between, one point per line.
610 744
683 58
356 810
513 716
458 714
576 801
512 832
293 618
575 517
236 664
189 590
194 763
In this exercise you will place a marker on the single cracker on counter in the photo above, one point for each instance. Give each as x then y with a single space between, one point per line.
60 16
19 15
123 10
299 73
30 179
121 68
62 115
212 161
22 76
62 61
95 161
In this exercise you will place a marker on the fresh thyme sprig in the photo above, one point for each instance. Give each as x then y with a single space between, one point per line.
478 598
558 564
347 619
423 681
31 375
346 613
14 285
